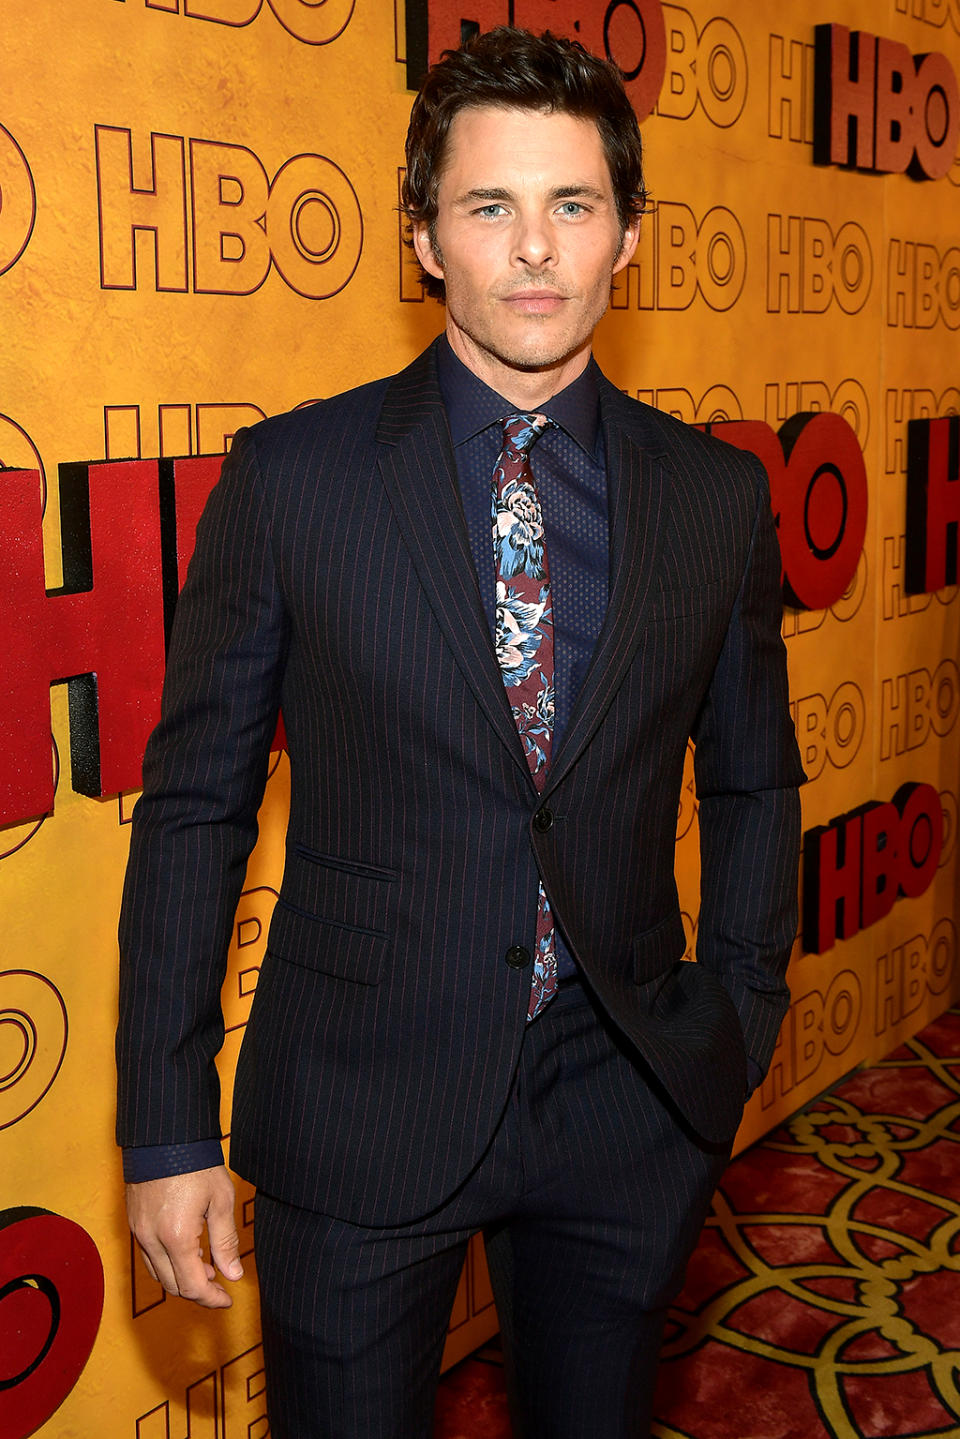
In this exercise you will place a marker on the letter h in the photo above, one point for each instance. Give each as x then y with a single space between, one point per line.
844 96
933 503
102 632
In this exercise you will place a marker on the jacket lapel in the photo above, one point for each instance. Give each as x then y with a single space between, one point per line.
418 469
636 486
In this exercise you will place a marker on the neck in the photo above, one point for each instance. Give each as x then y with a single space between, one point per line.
526 388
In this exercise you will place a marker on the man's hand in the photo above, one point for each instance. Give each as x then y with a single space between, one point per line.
167 1217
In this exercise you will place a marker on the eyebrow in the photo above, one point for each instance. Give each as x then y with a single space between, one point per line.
559 192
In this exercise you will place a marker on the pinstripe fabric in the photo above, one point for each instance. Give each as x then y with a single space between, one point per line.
591 1198
333 572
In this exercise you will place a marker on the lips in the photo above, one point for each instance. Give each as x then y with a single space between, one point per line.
535 302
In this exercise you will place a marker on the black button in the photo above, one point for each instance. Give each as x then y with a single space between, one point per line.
543 819
518 956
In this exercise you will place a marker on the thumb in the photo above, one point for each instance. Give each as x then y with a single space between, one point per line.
224 1239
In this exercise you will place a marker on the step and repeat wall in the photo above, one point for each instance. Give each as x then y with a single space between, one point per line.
199 227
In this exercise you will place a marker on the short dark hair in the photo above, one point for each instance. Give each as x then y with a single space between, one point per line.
514 69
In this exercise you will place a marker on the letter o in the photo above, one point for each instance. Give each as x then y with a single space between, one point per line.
948 809
949 286
841 1011
823 508
633 35
18 201
941 955
315 22
846 723
945 696
33 1041
853 596
920 839
51 1300
718 405
850 401
721 258
722 72
937 116
852 267
314 226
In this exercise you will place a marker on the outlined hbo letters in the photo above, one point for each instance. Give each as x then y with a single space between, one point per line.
230 224
305 20
706 67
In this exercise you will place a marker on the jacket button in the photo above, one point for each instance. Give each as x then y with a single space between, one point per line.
518 956
543 819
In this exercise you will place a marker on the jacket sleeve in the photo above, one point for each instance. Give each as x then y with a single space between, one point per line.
748 769
193 829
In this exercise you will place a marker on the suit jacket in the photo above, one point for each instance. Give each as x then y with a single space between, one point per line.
333 575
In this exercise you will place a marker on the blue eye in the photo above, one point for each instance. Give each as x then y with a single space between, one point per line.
571 207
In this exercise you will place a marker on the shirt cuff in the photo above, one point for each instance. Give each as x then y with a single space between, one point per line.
161 1161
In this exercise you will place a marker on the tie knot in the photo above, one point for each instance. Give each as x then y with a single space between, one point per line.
521 432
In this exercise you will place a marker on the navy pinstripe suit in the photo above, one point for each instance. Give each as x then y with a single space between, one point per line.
333 575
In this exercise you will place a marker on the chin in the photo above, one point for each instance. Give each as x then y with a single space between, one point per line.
541 355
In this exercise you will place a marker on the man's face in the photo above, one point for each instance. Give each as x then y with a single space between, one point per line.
527 241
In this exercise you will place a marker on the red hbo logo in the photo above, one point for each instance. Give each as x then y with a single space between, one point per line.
18 201
878 107
818 488
51 1299
629 32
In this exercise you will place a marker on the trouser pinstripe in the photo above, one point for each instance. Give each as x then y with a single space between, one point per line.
591 1196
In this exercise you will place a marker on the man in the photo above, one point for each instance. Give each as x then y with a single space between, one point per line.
494 598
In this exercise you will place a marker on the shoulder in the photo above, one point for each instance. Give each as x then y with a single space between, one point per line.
304 435
686 448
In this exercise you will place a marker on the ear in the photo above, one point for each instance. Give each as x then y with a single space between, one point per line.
627 245
423 248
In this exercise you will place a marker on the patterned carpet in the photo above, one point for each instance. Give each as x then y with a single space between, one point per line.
823 1301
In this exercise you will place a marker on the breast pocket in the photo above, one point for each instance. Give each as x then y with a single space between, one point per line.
696 599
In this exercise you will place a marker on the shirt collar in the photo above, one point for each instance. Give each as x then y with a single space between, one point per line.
472 406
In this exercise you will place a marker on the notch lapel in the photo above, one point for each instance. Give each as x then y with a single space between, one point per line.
418 469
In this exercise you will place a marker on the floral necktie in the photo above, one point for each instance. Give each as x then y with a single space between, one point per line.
524 638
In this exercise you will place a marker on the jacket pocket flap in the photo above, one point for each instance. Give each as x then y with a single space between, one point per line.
347 894
657 949
686 600
308 942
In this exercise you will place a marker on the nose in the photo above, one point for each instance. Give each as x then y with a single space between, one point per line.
534 244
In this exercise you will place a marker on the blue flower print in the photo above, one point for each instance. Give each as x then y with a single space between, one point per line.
535 724
519 631
543 980
517 529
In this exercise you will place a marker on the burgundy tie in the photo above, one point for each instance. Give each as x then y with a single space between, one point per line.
524 638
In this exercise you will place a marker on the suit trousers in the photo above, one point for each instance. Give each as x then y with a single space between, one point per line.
591 1196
